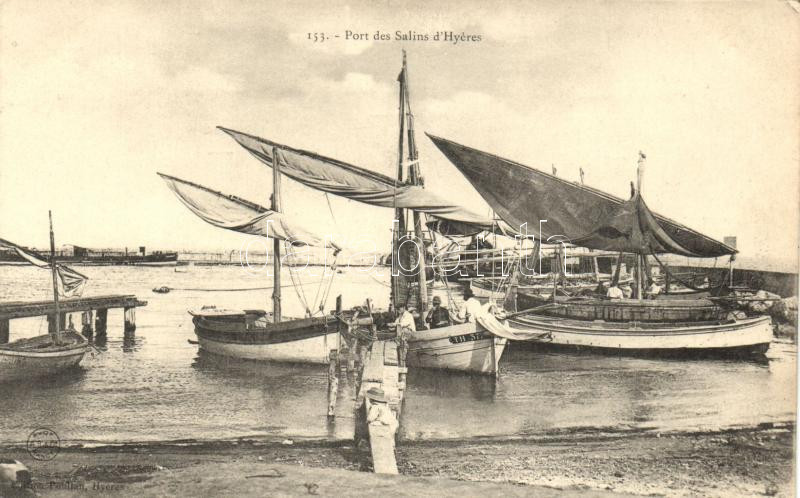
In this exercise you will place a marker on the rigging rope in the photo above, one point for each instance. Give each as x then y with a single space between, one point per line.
683 283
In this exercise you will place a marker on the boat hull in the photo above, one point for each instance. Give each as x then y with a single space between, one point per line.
15 365
464 347
306 340
746 334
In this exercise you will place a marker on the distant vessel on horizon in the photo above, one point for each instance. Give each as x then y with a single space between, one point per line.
74 254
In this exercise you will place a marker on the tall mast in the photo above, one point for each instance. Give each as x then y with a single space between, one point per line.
276 247
57 335
640 257
414 178
398 213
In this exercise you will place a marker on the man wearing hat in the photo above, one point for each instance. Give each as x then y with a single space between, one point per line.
437 316
472 309
379 411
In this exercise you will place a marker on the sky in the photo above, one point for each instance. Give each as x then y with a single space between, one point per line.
96 97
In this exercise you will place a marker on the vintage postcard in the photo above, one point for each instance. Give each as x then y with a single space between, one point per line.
265 248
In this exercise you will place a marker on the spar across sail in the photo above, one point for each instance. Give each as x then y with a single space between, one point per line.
360 184
586 216
234 213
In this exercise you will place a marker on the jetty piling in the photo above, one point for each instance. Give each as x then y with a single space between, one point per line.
333 382
86 324
101 322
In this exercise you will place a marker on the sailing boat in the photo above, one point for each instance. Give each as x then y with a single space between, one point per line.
465 347
52 353
258 334
593 219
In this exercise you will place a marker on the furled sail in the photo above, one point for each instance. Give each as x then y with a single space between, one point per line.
70 282
233 213
585 216
340 178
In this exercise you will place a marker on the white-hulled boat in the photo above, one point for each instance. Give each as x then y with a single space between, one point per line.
465 344
467 347
257 334
737 335
39 356
253 335
48 354
590 218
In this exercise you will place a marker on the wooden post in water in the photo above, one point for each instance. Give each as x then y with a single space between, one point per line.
276 245
86 324
333 382
5 330
130 321
101 322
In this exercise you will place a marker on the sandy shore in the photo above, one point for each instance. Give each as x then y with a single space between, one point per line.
752 461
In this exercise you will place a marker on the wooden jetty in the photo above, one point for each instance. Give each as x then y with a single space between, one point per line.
84 305
383 368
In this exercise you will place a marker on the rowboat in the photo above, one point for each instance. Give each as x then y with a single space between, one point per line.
733 335
39 356
48 354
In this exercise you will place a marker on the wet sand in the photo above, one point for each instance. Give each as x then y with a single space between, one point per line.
750 461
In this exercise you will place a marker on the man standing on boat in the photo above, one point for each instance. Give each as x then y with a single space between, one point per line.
437 316
405 325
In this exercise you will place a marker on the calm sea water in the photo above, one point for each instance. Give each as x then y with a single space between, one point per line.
158 387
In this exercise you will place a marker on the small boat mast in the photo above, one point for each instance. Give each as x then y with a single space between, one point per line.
57 333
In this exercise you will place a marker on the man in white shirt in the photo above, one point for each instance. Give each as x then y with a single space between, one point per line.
614 292
405 320
405 325
653 290
472 308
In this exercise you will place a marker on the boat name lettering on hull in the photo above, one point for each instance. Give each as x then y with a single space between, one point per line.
475 336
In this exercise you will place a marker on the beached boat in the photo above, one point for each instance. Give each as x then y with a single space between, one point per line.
258 334
52 353
590 218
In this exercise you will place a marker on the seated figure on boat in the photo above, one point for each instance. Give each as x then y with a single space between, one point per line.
438 316
627 290
614 292
472 309
653 290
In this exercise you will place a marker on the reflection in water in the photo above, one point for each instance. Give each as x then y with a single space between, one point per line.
452 384
156 386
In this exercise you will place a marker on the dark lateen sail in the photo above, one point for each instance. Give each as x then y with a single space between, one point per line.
587 217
